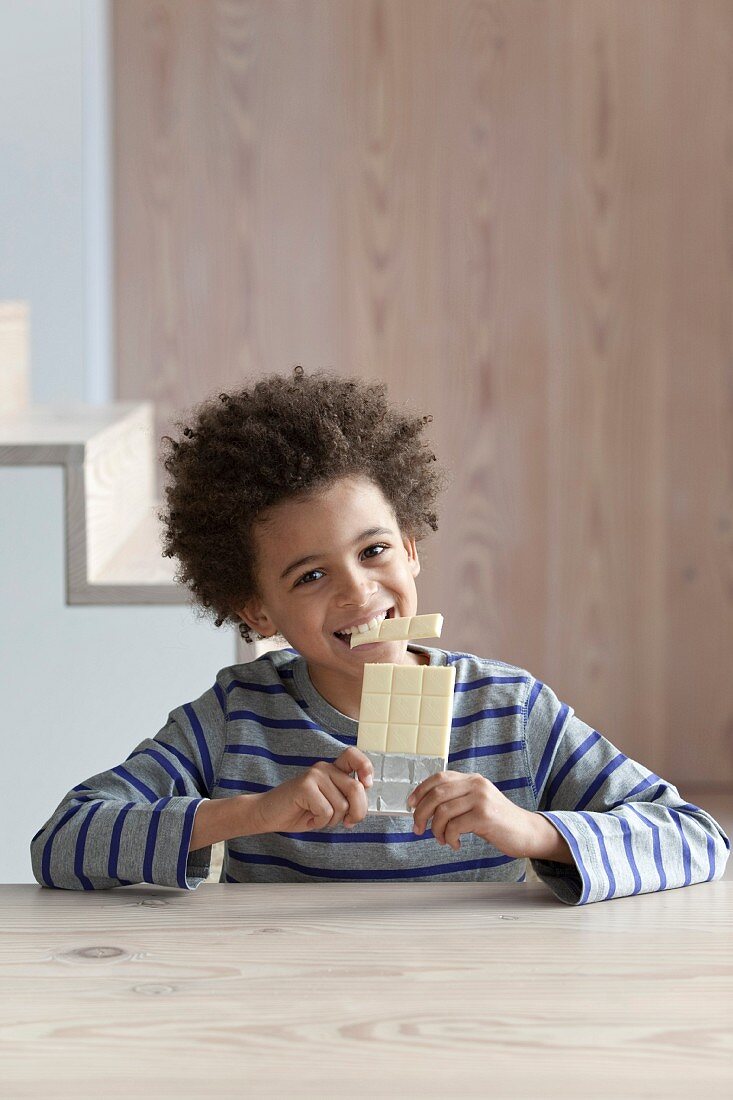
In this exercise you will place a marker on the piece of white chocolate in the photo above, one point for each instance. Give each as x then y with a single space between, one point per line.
407 627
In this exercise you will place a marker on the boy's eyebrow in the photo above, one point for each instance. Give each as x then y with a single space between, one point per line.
314 557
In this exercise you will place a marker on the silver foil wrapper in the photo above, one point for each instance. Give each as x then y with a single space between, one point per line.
396 774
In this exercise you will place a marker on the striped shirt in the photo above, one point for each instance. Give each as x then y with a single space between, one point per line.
263 723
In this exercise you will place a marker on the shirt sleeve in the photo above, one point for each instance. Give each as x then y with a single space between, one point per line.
134 822
628 830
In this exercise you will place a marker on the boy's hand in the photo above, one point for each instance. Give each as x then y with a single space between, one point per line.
465 802
325 794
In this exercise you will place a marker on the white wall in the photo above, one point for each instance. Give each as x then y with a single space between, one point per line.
79 686
42 239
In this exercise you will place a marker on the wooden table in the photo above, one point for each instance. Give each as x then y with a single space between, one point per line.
365 990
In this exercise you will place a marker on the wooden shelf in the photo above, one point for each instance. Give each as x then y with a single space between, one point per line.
113 536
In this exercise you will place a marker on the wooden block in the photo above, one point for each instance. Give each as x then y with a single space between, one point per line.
14 357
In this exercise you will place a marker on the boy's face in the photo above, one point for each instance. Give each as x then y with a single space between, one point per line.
351 577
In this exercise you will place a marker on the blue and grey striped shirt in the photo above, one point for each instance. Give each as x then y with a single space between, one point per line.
263 722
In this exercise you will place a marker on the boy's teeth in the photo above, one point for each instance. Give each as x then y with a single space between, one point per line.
362 629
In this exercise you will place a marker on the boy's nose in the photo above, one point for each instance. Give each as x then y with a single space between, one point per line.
355 597
355 608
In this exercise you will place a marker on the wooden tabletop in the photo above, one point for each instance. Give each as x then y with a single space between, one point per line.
365 990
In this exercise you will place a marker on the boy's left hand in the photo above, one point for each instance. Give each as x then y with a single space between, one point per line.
466 802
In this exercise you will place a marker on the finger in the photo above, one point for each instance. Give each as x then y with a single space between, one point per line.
355 795
426 787
450 820
318 806
348 798
428 805
354 760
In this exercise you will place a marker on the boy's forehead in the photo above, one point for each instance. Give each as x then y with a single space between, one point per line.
298 531
339 513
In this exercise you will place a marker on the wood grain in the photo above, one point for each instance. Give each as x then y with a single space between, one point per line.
412 989
112 534
519 216
15 383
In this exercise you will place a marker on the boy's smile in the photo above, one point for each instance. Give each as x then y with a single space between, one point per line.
328 561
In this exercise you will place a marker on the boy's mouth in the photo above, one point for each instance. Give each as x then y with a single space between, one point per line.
345 639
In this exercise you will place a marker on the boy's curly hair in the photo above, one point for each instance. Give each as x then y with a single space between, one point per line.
282 439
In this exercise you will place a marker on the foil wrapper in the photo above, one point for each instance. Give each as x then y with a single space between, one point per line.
396 774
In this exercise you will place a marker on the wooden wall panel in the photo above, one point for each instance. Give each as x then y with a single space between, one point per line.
520 216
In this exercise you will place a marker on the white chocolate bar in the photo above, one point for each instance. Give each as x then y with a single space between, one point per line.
406 708
406 627
404 727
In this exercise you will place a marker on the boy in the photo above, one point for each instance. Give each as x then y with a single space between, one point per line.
294 511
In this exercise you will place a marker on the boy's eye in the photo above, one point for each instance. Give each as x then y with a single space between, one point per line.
377 546
305 577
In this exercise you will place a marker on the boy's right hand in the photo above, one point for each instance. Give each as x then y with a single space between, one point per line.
325 794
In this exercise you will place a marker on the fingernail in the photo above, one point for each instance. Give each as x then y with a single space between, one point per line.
368 781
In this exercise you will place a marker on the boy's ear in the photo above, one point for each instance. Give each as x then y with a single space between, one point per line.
256 618
412 557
